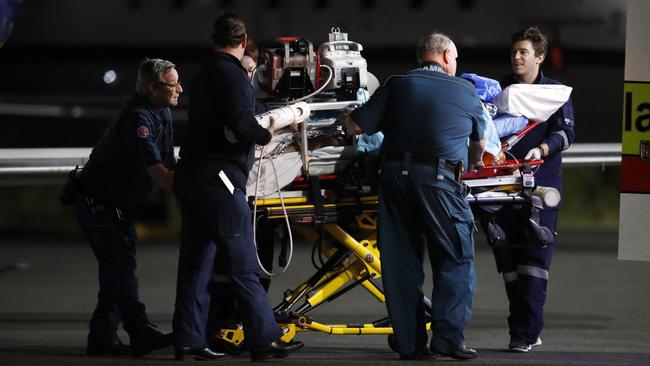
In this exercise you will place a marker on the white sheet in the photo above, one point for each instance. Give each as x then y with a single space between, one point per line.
324 161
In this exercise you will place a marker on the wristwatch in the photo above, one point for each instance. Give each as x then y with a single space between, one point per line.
543 147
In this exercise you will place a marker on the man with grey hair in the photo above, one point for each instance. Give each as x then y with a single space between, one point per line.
426 116
134 152
434 43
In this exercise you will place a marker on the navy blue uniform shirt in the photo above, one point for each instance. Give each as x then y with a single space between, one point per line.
556 132
425 111
222 126
139 137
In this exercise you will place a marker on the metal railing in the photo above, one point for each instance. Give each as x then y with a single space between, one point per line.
593 154
50 165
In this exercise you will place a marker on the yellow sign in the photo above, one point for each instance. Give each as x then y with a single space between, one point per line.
636 116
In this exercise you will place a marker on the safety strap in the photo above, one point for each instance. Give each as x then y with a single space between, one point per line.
316 197
317 200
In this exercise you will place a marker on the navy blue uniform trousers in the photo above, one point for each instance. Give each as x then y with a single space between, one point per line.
216 220
524 265
417 201
112 238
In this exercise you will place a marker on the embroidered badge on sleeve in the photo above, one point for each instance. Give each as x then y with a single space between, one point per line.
143 132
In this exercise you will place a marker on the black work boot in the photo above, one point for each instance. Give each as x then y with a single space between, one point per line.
97 346
276 349
146 338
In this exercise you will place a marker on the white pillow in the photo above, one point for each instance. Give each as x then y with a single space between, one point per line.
536 102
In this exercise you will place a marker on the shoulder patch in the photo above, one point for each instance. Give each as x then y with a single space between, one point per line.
143 132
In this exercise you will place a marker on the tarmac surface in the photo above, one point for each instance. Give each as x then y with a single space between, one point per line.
597 312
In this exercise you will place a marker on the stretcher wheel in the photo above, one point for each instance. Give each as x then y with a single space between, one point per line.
230 341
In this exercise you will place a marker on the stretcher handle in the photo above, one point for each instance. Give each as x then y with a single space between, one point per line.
512 140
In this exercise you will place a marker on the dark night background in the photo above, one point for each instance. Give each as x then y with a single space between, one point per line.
59 51
53 92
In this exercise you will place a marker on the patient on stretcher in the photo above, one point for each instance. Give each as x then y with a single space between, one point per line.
509 111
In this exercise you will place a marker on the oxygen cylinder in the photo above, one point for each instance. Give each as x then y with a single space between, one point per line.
550 196
284 116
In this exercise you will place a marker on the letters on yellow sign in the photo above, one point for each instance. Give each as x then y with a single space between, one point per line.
636 116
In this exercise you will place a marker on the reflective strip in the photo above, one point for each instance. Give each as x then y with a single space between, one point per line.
533 271
119 213
221 278
564 138
510 276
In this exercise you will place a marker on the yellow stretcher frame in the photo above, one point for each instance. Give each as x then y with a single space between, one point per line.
351 262
361 264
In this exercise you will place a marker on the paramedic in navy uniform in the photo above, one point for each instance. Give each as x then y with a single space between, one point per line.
210 185
524 263
133 153
426 116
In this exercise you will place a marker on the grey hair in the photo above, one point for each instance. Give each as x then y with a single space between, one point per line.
434 43
151 70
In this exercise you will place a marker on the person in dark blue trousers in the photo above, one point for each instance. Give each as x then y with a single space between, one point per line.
224 308
134 153
210 185
524 262
427 116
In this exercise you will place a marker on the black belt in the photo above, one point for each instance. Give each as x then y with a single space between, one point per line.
423 159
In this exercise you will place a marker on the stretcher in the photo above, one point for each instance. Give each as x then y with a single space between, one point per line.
340 215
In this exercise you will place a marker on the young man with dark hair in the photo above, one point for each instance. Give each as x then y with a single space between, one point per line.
525 262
